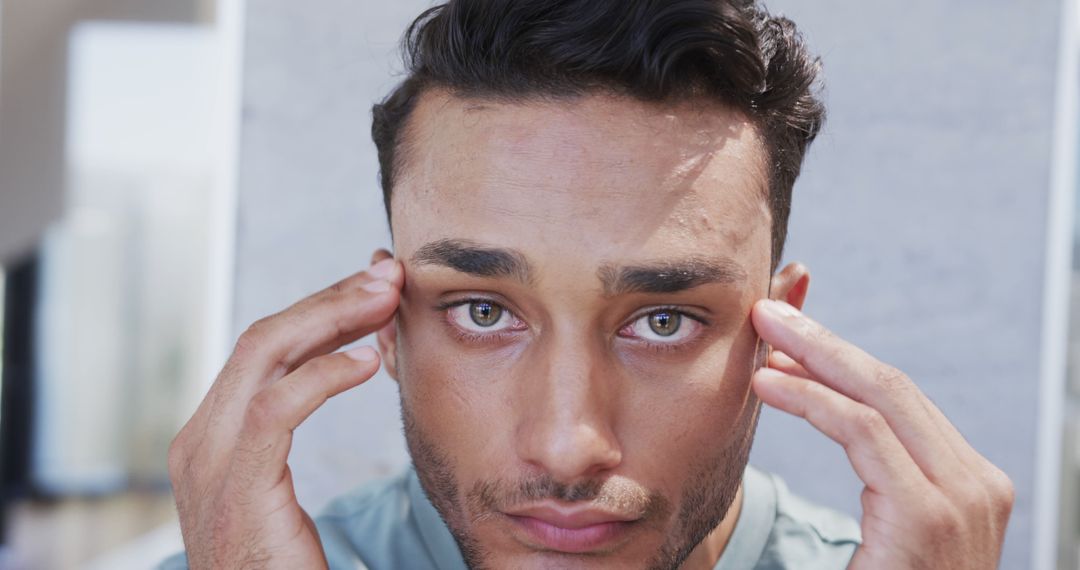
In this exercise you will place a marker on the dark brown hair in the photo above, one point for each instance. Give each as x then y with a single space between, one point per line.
730 51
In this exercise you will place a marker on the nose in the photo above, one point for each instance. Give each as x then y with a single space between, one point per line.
566 411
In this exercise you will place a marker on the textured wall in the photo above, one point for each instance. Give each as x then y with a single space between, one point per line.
310 210
921 213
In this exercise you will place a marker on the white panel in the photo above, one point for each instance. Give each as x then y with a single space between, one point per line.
125 273
1056 294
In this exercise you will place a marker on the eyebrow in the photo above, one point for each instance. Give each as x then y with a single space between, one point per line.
669 276
475 259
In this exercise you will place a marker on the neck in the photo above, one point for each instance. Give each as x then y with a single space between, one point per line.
708 552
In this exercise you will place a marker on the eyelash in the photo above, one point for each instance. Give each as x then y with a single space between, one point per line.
471 337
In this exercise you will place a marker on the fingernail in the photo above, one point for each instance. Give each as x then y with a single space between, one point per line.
378 286
782 309
362 354
382 269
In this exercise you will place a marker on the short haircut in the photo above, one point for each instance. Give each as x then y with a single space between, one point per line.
729 51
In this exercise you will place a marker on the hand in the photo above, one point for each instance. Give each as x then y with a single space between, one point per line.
233 488
930 501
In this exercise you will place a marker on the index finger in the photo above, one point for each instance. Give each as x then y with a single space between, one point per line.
851 371
342 313
346 311
272 347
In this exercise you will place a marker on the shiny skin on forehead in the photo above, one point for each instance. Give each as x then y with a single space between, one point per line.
618 176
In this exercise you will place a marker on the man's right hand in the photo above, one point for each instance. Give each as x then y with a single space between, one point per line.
234 491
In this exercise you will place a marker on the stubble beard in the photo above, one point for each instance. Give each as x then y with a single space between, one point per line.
709 493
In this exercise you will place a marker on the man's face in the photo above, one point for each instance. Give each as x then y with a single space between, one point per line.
573 345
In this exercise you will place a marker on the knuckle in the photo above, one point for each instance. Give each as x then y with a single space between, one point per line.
260 411
818 335
252 338
338 288
869 500
891 379
829 347
833 352
809 390
177 457
813 392
867 421
1002 491
1008 493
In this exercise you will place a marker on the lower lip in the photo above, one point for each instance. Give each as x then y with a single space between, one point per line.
571 540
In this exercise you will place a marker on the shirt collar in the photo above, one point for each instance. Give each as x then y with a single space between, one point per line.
754 525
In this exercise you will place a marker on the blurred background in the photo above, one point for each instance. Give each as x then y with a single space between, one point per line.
172 170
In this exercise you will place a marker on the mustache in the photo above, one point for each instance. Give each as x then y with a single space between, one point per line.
486 498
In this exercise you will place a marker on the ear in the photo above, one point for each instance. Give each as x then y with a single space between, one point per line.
791 285
387 336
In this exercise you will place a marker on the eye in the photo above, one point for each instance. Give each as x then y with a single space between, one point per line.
481 316
662 326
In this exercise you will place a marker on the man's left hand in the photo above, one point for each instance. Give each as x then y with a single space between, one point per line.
930 500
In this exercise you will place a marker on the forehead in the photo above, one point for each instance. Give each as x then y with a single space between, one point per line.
597 176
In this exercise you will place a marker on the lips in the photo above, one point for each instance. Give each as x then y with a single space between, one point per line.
574 531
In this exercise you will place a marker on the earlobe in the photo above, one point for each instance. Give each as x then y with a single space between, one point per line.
791 285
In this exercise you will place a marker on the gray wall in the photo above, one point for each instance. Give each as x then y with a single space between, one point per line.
921 213
310 209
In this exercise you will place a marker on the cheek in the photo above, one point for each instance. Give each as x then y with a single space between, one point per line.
699 402
453 393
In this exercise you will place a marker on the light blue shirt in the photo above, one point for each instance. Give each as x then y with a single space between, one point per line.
391 525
